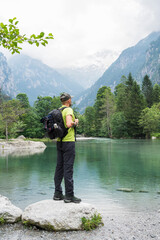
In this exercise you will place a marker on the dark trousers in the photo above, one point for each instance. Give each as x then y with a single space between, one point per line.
64 168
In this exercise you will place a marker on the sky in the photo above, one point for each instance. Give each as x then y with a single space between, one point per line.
82 28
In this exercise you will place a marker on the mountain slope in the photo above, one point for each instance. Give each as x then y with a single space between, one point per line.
88 70
6 79
131 60
152 63
34 78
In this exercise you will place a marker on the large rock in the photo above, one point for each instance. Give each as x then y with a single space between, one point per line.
8 212
57 215
21 144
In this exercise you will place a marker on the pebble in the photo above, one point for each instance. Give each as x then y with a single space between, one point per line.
118 226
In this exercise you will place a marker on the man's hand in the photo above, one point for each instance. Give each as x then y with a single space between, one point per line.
76 121
70 123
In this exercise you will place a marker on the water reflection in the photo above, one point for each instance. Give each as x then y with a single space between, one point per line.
21 152
117 164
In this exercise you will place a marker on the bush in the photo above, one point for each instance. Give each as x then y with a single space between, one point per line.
89 224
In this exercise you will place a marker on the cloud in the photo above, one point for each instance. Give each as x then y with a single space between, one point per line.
82 28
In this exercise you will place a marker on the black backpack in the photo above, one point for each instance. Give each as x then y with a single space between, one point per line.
54 124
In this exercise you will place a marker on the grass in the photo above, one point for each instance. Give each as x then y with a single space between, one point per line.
89 224
2 221
39 139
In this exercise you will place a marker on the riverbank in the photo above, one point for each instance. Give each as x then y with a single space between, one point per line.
125 226
20 143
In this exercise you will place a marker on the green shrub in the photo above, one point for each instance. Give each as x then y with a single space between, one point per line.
2 221
157 135
91 223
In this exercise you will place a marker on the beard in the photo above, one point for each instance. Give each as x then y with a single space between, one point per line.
70 104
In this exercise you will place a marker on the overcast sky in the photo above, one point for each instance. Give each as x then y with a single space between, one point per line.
82 27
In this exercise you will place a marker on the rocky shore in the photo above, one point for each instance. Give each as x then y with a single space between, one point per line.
20 146
129 225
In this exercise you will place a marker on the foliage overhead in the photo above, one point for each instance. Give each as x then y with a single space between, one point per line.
11 38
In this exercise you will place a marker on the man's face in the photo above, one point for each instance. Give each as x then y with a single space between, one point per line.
70 102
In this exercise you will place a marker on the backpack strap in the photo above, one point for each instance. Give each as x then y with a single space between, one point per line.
61 109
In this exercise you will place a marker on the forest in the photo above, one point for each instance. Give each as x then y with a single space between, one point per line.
131 111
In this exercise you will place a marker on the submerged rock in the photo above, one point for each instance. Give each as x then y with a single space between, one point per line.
125 189
143 191
57 215
8 212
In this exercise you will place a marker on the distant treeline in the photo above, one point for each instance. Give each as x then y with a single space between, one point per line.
130 112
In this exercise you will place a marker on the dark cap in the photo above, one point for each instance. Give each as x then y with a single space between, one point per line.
64 97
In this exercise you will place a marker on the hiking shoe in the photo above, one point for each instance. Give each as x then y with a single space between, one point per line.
69 199
58 196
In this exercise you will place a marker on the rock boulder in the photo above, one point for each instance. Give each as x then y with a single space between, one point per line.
8 212
57 215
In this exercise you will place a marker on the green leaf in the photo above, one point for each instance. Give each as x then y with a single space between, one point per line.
30 42
15 44
11 20
37 44
33 36
42 34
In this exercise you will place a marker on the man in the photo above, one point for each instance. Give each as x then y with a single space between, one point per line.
66 154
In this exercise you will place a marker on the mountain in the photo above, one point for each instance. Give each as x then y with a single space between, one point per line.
141 59
34 78
152 63
6 78
87 71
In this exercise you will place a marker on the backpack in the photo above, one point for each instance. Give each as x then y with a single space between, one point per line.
54 125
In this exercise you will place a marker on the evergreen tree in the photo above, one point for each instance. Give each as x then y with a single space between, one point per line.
89 122
120 97
119 125
156 93
133 107
99 114
147 90
129 84
22 97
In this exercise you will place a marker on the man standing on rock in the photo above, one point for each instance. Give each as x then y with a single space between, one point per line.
66 154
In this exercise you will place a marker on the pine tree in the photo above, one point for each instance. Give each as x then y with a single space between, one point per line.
99 114
147 90
120 97
89 122
133 107
156 93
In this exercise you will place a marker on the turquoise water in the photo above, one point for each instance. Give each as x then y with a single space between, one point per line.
101 167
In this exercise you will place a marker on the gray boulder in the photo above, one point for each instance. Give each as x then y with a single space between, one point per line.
57 215
21 144
8 212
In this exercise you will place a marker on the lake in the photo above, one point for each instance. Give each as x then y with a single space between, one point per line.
101 167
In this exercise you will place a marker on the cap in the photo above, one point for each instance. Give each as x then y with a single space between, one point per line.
64 97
